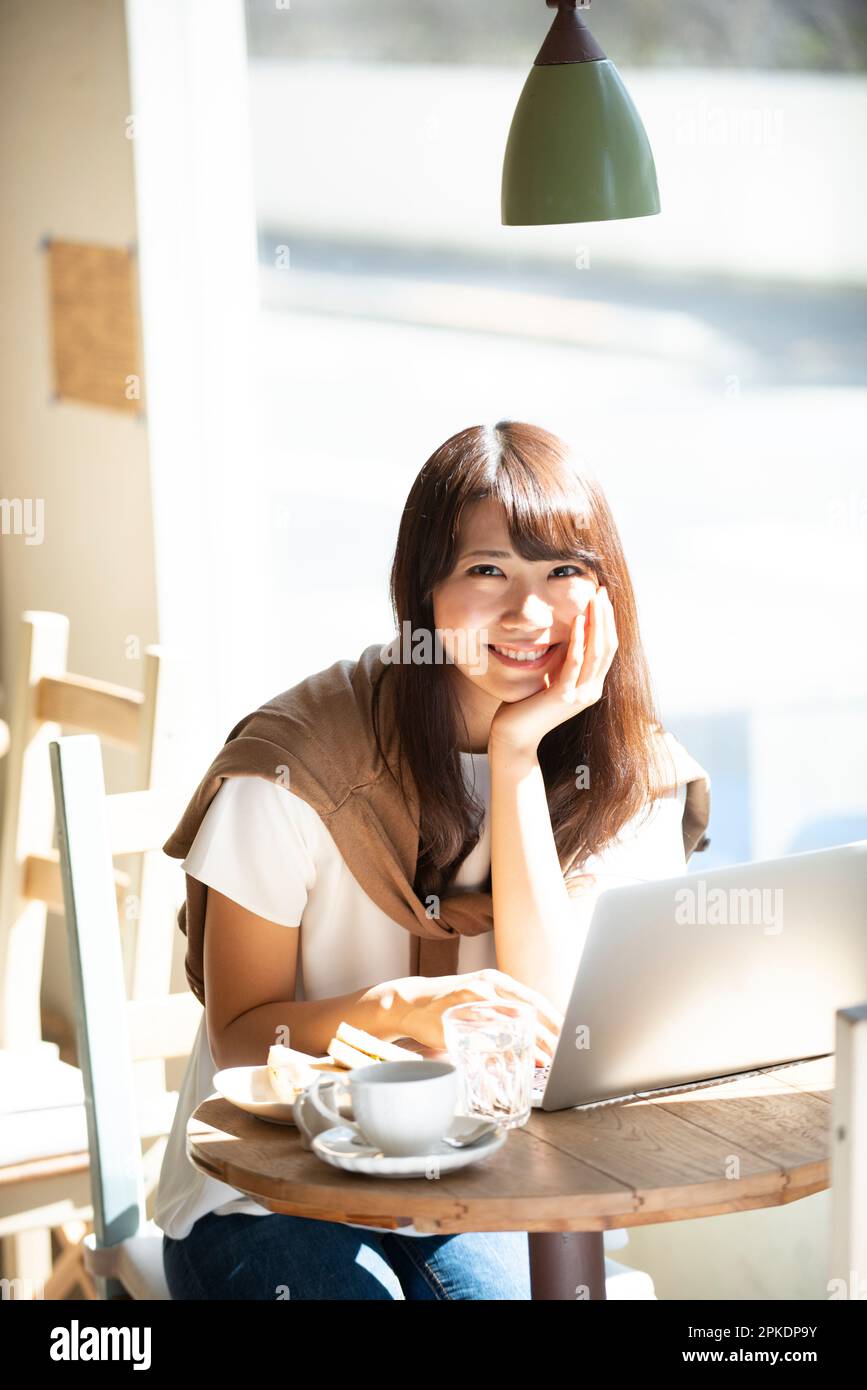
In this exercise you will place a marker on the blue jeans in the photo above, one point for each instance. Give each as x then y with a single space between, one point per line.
292 1257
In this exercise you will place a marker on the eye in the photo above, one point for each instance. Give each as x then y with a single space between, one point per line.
578 570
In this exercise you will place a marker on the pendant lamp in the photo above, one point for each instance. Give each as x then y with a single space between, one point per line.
577 150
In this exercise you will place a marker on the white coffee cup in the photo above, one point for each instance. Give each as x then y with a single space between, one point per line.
402 1108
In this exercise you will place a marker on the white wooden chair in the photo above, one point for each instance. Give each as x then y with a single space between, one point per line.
124 1252
44 699
42 1134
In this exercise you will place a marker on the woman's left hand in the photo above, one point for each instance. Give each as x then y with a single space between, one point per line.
520 725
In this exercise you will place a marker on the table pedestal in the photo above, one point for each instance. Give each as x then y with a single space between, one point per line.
562 1261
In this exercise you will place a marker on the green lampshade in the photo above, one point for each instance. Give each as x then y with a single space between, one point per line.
577 150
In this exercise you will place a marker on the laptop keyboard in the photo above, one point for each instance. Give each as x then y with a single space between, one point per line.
540 1081
540 1078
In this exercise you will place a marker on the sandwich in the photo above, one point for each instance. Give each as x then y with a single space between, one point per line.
353 1048
289 1072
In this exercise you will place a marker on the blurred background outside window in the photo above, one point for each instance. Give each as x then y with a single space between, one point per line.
708 364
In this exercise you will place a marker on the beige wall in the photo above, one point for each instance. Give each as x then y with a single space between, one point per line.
67 170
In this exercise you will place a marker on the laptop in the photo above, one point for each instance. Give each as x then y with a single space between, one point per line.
685 982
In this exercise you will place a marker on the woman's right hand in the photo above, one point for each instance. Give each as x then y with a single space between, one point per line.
426 998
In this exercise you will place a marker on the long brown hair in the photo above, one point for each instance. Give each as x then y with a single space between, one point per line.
552 511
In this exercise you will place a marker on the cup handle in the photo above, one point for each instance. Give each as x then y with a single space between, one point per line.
323 1108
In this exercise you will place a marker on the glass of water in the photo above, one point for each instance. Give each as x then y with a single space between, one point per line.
493 1046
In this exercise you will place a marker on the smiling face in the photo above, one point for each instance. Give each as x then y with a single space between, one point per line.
499 603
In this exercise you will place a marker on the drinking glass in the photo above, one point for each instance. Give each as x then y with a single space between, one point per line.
493 1046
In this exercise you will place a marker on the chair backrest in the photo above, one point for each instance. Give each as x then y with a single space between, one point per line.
44 697
113 1032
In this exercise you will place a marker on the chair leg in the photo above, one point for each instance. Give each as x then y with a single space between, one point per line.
64 1275
75 1231
69 1268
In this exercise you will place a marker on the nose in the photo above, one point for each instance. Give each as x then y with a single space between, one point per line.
532 612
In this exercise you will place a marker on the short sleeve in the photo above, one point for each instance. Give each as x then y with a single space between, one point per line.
251 847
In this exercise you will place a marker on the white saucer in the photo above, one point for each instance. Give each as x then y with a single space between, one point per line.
250 1089
342 1149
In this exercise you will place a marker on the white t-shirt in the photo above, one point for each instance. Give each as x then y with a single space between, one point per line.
264 847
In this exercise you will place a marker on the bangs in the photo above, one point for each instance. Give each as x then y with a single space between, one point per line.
550 511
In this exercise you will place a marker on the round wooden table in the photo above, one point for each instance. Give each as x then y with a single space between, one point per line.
566 1176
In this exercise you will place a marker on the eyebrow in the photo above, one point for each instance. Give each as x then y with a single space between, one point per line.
587 557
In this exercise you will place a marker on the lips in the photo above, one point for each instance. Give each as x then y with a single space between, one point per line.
516 663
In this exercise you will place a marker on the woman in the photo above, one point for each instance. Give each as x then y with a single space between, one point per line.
510 561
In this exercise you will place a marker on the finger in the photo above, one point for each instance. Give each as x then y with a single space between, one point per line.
588 631
546 1040
590 666
610 641
599 634
608 613
604 636
570 669
545 1010
546 1014
543 1052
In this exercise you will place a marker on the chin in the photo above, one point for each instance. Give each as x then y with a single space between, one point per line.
510 691
510 695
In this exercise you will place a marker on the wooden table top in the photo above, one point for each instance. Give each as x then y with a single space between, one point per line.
757 1141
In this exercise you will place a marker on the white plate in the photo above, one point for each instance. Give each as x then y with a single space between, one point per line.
341 1148
250 1089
